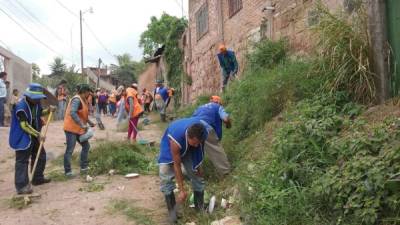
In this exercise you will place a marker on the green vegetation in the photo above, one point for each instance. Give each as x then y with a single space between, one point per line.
57 176
138 215
167 30
122 157
18 203
93 187
267 54
128 70
303 147
344 46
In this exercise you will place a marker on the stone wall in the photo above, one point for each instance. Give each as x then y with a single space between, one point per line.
290 19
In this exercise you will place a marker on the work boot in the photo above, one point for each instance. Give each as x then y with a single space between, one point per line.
171 205
25 190
41 181
199 200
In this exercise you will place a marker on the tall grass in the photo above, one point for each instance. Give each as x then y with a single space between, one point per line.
344 47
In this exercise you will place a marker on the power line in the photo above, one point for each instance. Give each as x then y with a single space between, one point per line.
5 45
89 28
98 40
66 8
180 4
37 19
28 32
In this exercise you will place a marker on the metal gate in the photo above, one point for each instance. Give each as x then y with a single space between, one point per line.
393 23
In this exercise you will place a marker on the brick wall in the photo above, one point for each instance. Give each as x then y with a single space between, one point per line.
290 19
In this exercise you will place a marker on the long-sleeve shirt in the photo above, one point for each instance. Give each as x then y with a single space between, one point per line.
3 89
228 62
29 128
75 107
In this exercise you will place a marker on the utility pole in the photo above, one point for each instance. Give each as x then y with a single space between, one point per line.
80 23
98 74
182 9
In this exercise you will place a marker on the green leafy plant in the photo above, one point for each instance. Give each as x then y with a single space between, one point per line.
167 30
267 54
120 156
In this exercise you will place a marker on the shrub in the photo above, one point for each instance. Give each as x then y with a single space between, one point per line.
343 45
123 157
264 94
267 54
325 166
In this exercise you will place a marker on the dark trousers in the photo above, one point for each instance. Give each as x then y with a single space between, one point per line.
147 107
2 111
22 163
103 107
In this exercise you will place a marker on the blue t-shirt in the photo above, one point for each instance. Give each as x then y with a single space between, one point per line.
213 114
177 132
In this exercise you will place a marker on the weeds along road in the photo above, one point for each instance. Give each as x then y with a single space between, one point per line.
107 200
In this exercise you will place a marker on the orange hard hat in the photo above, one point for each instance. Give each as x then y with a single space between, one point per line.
215 99
222 48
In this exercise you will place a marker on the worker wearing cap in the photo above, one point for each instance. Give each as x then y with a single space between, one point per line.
134 110
25 138
162 98
229 66
76 123
213 113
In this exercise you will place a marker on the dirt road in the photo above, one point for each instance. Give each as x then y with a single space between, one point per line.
63 202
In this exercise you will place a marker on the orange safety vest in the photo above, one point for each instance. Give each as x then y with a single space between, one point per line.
69 123
137 109
112 98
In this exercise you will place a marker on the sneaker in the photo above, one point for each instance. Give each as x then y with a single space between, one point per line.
25 190
84 171
41 181
70 175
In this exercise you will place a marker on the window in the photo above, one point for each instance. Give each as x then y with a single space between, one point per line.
202 21
234 7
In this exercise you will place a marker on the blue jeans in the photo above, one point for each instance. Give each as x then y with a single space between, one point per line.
2 102
61 109
121 111
167 175
71 142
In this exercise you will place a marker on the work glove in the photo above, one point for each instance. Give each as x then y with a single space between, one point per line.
52 108
41 138
85 127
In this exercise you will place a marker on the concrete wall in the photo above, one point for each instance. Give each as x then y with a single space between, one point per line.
290 19
19 74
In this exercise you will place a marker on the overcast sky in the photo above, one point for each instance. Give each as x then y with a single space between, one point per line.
117 24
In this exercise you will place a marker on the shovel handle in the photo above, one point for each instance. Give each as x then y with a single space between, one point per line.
40 146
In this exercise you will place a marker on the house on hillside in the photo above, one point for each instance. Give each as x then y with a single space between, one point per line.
237 23
155 70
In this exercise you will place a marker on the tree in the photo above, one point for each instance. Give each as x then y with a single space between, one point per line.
166 31
161 31
35 71
58 67
128 69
